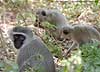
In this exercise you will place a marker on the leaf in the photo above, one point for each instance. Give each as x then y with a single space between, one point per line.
96 2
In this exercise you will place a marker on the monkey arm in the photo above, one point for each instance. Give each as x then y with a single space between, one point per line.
72 46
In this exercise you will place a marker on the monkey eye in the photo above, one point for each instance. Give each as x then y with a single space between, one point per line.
16 37
65 32
22 38
43 13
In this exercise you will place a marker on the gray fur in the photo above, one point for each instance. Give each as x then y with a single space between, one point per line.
33 52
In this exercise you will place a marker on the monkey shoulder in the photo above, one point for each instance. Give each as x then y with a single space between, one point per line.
37 46
37 53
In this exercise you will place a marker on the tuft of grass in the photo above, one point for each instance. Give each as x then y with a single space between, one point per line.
90 54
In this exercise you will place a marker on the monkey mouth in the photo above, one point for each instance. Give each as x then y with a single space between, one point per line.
18 45
68 39
38 24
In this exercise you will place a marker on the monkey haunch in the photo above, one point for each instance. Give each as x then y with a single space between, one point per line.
32 51
80 34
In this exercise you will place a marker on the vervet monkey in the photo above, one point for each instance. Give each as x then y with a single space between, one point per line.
54 17
80 34
58 19
32 51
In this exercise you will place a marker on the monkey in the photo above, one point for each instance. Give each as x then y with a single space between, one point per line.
54 17
80 34
32 51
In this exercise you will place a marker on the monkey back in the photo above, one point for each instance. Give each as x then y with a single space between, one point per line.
36 54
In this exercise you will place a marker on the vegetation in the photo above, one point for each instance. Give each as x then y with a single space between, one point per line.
21 12
91 57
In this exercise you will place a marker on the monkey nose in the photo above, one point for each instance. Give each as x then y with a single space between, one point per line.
36 20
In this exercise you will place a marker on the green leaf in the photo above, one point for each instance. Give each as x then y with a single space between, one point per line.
96 2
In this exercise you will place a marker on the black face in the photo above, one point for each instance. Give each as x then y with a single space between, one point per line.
18 40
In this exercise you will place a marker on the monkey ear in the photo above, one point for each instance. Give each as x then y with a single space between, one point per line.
43 13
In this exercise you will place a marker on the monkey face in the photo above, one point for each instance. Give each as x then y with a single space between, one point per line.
18 40
41 15
66 33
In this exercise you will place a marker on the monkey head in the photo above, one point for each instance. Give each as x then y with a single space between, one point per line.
41 15
19 36
66 32
52 16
